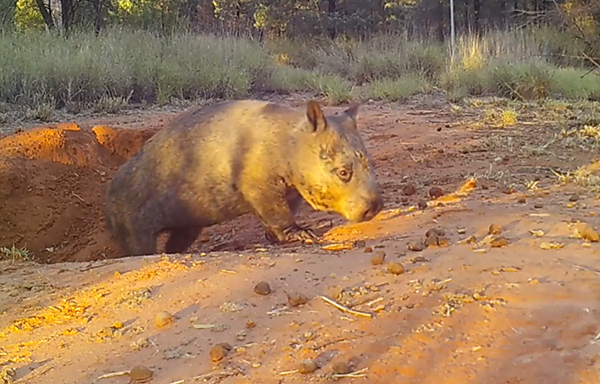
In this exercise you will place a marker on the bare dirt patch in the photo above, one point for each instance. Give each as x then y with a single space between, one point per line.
500 284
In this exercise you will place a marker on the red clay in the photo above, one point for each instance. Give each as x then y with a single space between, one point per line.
526 312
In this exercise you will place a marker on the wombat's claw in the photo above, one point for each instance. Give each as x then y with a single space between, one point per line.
291 235
300 234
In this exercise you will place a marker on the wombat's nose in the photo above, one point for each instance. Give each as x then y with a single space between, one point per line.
375 207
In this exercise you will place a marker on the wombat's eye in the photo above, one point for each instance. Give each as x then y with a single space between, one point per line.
344 174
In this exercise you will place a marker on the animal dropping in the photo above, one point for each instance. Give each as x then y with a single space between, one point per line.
215 163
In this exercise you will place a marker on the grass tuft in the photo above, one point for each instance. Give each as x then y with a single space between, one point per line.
16 254
44 72
398 89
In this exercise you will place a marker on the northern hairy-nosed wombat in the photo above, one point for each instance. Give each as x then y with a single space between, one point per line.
218 162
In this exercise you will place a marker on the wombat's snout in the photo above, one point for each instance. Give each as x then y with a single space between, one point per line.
374 207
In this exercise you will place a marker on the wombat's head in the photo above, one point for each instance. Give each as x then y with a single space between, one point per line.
333 171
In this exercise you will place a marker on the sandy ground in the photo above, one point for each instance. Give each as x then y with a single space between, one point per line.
520 305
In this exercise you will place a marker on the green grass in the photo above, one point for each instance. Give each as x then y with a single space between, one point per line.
106 73
16 254
398 89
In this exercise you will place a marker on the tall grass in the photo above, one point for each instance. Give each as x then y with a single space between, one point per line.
120 66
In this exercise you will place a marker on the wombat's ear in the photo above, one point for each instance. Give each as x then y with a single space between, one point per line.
352 112
315 116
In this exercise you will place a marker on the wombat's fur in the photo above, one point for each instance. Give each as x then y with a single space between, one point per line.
215 163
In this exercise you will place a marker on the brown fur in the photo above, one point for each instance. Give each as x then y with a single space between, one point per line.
215 163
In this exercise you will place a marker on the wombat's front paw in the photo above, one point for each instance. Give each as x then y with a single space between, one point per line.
290 235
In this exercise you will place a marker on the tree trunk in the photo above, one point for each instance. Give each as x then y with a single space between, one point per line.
65 8
331 9
46 15
476 16
97 17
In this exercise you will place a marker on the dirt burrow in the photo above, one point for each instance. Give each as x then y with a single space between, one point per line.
52 185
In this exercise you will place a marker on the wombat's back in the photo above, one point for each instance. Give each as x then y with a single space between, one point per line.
199 157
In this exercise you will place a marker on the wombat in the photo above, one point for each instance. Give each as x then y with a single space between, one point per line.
215 163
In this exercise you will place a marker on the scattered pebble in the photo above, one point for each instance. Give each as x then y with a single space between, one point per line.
296 299
360 244
250 324
162 319
431 240
538 205
498 242
395 268
521 200
551 245
436 192
307 366
421 204
494 229
262 288
368 249
461 231
587 232
416 246
378 258
219 351
139 344
341 368
574 197
409 190
140 374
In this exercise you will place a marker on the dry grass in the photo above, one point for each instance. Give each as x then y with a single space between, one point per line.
106 73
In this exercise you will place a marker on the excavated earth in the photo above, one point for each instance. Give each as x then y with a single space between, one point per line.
506 292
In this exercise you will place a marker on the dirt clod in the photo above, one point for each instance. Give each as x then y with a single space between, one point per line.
140 374
587 232
495 229
498 242
431 240
219 351
574 197
538 205
395 268
368 249
416 246
139 344
162 319
409 190
436 192
421 204
341 368
262 288
307 366
296 299
378 258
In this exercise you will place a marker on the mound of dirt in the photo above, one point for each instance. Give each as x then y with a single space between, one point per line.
52 186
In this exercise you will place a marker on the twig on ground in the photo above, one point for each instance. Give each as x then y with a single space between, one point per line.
359 373
579 266
113 374
346 309
200 377
285 373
